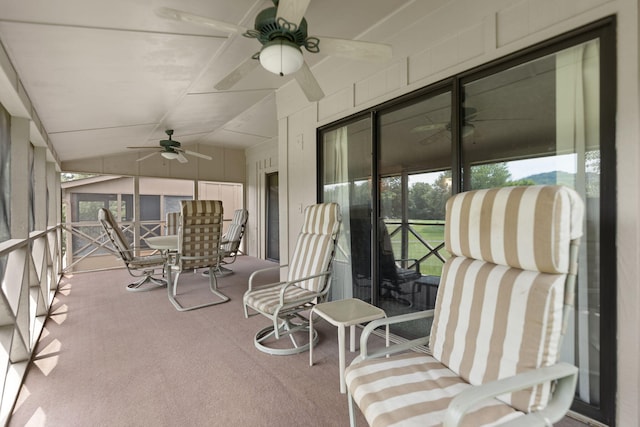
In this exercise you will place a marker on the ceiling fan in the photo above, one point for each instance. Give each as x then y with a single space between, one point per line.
282 31
171 150
470 114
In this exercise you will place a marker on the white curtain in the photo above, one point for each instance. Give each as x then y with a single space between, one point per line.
338 154
577 131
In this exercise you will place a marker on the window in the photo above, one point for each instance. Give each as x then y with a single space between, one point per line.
536 117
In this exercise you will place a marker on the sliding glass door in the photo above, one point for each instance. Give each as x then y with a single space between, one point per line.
542 116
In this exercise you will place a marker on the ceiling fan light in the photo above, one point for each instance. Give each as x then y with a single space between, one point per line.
281 57
169 155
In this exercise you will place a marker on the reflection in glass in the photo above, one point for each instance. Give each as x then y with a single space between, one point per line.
414 184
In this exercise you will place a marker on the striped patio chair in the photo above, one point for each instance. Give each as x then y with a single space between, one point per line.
230 244
501 309
148 269
308 282
199 236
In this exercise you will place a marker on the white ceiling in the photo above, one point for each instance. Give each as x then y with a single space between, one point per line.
104 75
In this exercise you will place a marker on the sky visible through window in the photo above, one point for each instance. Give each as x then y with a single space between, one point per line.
519 168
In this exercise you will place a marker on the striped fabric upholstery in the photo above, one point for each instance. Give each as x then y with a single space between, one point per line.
268 300
115 233
520 332
171 224
200 233
235 231
414 389
498 311
522 227
313 248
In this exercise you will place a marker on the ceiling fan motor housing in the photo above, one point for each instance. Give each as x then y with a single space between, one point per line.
268 28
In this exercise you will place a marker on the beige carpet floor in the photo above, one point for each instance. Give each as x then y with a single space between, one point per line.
109 357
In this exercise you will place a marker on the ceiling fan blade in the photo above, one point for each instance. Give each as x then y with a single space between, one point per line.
356 49
308 83
430 126
181 158
292 10
144 147
179 15
202 156
247 66
147 156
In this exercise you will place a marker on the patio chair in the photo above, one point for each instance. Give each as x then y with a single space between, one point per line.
397 276
504 299
230 245
199 236
145 268
308 282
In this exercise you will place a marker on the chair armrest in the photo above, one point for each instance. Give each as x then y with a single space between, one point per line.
559 404
396 348
302 279
416 264
262 270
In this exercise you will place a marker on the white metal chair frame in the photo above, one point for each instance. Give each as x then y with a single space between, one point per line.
146 268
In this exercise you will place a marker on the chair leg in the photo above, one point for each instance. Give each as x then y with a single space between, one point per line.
219 271
146 278
285 329
352 413
213 287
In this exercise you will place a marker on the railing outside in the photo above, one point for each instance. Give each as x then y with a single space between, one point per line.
30 271
420 240
86 239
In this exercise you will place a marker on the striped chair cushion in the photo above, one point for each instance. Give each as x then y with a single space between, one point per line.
493 321
268 299
525 227
414 390
172 223
314 246
200 233
122 244
234 232
232 238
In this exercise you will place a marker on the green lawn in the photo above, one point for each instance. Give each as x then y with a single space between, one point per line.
430 231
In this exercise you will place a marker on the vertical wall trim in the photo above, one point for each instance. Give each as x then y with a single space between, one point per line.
19 178
40 179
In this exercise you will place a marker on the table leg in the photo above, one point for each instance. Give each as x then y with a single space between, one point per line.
352 337
311 338
341 356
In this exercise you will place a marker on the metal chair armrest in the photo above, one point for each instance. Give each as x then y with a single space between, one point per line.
416 264
262 270
564 373
396 348
302 279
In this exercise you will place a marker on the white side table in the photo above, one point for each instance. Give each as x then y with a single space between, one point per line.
342 313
